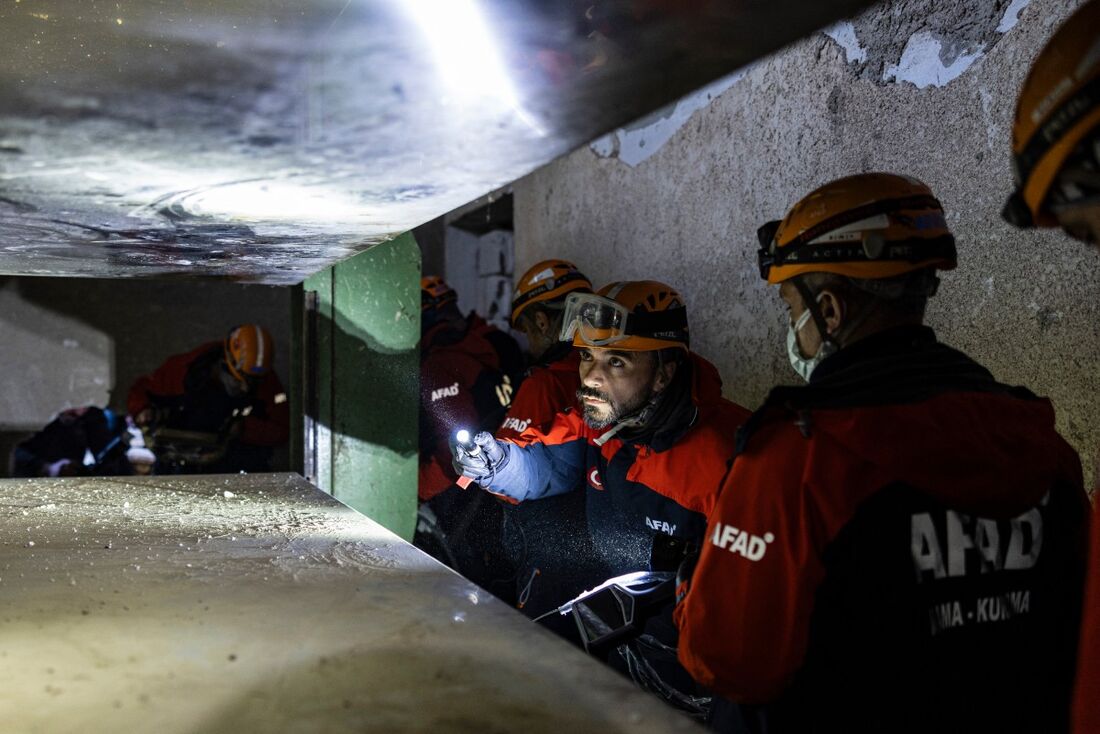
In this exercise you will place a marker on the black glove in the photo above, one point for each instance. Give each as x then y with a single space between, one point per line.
480 461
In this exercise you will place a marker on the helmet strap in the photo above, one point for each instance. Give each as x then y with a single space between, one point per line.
829 345
638 419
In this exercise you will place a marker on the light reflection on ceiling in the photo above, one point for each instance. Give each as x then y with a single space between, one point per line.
261 140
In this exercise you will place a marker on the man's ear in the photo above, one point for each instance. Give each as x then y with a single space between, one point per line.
663 378
832 310
542 323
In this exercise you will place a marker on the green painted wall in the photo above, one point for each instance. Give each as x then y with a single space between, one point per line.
367 391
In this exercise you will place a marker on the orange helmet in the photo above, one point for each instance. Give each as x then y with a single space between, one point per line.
435 293
1058 107
871 225
547 282
634 316
249 351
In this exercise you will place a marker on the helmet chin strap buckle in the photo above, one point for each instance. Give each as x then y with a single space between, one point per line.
609 434
638 419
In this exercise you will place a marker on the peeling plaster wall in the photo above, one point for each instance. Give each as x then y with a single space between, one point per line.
911 86
72 342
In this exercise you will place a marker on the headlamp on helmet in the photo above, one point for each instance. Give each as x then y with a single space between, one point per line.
868 226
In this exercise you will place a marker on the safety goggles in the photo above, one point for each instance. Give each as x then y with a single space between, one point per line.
597 320
601 322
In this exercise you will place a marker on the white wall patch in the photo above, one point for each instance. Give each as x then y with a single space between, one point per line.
844 33
637 142
920 63
1012 15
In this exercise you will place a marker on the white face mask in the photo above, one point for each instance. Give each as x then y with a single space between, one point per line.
805 366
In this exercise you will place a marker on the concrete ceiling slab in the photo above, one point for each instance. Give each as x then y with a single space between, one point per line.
262 140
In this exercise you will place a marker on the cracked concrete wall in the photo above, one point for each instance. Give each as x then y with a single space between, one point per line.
911 86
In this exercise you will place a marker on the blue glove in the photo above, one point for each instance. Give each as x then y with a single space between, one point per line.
480 460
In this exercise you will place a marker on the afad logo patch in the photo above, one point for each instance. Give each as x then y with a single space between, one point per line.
660 526
445 392
737 541
515 424
594 479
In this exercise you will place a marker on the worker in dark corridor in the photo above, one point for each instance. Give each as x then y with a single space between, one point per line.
899 544
1056 152
546 561
649 446
224 389
468 373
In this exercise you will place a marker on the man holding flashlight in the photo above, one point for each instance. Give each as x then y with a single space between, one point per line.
649 446
652 440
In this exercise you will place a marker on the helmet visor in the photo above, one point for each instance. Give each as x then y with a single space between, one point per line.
598 321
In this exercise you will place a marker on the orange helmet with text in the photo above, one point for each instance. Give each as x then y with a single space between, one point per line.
633 316
549 281
435 293
1058 109
249 352
871 225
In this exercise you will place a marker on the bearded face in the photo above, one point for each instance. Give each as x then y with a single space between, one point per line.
601 410
615 384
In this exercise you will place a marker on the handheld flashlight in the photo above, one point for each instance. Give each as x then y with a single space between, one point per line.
466 441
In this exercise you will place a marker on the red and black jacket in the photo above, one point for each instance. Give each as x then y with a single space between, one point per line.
467 377
665 485
184 383
548 389
898 546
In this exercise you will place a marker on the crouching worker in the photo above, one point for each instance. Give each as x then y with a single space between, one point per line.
218 408
898 545
649 448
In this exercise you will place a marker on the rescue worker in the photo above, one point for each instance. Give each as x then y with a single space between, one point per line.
547 564
649 445
898 545
1056 152
1056 134
226 389
88 441
468 372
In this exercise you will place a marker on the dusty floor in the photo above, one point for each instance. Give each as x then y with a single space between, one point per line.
253 603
